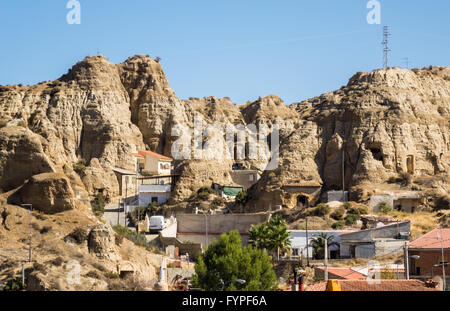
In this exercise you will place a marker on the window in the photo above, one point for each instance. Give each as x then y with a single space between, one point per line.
154 199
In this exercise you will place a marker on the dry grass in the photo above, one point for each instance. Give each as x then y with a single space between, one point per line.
421 222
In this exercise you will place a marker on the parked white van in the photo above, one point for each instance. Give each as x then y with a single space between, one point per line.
157 223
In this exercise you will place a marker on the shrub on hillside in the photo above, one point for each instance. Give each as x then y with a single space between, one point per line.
347 205
320 210
80 166
384 207
14 284
204 192
351 219
98 204
338 214
133 236
337 225
407 179
242 197
217 202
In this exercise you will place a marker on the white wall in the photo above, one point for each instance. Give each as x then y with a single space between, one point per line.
145 198
298 239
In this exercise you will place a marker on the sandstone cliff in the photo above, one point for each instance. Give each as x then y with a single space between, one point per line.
382 123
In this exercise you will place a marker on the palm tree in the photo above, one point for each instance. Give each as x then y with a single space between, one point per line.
318 244
259 236
279 236
272 235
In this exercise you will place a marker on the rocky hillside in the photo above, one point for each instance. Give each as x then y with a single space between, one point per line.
62 241
379 122
94 118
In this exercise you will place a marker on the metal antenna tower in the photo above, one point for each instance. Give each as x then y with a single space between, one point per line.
385 44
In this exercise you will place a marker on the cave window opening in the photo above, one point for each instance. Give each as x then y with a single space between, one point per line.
302 201
376 153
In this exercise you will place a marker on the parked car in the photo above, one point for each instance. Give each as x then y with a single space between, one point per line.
157 223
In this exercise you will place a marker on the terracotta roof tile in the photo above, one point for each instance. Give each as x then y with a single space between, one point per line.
345 273
154 154
365 286
432 240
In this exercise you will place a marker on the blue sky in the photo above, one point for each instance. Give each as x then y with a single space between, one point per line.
238 48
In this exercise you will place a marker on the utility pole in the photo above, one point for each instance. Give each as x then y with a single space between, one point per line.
386 49
307 246
406 260
118 213
125 205
23 275
343 169
30 206
326 258
206 229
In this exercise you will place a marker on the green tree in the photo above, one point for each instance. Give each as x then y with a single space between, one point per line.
318 244
272 235
242 197
227 260
98 204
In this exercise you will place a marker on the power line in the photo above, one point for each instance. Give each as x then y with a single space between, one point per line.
386 49
407 62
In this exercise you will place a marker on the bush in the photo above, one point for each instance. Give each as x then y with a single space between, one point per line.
57 261
111 275
93 274
140 212
338 214
79 235
363 210
45 230
14 284
242 197
204 192
133 236
407 179
217 202
320 210
353 211
98 205
80 166
337 225
347 205
351 219
384 207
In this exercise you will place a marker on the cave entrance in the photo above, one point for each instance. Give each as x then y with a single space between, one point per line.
302 201
377 154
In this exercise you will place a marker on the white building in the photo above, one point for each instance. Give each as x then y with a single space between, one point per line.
298 241
154 193
156 188
153 163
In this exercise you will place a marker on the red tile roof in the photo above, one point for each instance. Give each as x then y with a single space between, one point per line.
154 154
344 273
383 286
432 240
137 155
